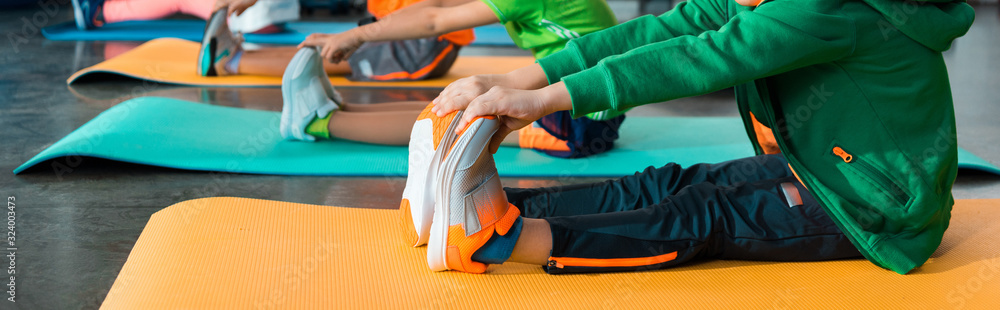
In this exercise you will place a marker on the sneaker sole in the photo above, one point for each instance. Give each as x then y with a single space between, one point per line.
81 23
416 209
437 245
206 59
414 212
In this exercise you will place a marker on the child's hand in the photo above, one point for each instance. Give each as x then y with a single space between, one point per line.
515 108
333 47
458 94
233 6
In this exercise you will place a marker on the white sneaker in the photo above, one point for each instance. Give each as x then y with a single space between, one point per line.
307 94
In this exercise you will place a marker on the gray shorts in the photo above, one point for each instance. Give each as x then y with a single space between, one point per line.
404 60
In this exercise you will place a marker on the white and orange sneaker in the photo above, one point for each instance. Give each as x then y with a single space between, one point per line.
417 206
470 205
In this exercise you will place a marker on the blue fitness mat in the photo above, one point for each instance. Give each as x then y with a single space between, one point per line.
186 135
490 35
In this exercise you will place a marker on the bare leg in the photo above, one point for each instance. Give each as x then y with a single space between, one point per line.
271 61
119 11
382 123
511 140
534 244
388 127
386 106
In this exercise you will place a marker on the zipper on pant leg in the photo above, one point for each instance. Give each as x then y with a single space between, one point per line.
631 262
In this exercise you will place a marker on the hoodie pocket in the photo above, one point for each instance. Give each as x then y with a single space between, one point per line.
886 191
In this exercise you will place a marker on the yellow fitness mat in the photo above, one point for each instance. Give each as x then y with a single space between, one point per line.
238 253
173 61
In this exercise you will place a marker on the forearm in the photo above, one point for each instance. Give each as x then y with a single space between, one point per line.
688 18
753 46
528 77
556 98
423 19
417 23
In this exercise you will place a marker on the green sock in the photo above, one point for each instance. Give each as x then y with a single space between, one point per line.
319 127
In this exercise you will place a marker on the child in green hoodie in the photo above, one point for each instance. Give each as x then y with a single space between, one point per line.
847 104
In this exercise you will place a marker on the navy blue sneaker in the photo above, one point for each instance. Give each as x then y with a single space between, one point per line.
88 14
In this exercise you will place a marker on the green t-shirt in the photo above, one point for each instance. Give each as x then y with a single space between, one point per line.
544 26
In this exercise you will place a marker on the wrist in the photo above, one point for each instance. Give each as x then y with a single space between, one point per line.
358 35
555 98
530 77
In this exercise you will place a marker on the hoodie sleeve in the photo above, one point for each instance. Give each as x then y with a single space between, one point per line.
688 18
776 37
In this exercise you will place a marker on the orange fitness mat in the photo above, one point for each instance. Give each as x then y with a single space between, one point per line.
173 61
238 253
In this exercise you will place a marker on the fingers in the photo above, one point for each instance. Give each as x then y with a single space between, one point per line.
476 108
219 4
498 137
457 96
328 52
241 6
445 104
237 9
345 54
309 41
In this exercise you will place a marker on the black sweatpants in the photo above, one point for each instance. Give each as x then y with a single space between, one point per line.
746 209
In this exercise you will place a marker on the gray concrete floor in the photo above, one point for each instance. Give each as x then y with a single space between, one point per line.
75 230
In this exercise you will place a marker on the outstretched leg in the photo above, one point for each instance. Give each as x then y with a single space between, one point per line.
773 219
272 61
385 106
642 189
125 10
381 127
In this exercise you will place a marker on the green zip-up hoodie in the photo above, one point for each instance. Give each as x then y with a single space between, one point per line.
856 93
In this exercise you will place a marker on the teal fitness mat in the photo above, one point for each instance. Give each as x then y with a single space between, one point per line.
186 135
192 30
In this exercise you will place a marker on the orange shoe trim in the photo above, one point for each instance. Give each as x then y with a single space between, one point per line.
613 262
440 125
406 224
461 247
